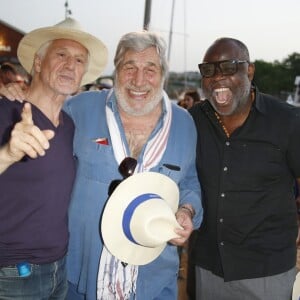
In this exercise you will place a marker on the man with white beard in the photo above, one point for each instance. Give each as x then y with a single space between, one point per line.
248 161
134 119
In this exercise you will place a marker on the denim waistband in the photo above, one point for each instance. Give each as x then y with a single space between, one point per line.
34 264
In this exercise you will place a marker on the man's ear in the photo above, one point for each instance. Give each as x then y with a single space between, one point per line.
37 62
251 71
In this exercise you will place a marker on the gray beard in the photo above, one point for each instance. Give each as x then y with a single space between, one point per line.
150 106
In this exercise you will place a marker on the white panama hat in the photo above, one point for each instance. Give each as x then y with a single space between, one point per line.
139 217
67 29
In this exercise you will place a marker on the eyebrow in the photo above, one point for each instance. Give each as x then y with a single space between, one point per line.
133 62
67 49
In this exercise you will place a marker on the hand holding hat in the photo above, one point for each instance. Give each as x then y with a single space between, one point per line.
139 217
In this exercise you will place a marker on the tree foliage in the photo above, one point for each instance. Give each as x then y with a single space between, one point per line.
277 78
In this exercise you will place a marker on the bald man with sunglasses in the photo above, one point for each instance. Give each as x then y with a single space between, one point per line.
248 161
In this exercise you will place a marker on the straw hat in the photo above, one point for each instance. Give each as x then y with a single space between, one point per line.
139 217
67 29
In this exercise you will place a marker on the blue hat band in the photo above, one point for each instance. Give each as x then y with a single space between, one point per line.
129 211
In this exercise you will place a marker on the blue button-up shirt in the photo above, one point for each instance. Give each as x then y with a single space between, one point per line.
97 167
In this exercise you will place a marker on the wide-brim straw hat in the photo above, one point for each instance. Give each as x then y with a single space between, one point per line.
67 29
139 217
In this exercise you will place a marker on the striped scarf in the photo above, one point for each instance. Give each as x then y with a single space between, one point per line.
116 282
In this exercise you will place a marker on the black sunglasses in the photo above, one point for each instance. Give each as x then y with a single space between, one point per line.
226 67
126 169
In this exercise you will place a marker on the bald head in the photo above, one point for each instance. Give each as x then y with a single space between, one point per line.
226 48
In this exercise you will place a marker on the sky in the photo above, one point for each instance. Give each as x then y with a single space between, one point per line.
270 28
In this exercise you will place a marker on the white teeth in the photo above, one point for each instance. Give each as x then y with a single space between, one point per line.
222 95
221 90
138 93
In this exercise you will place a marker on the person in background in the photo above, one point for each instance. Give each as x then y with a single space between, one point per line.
37 167
181 103
191 97
10 73
135 118
248 160
104 83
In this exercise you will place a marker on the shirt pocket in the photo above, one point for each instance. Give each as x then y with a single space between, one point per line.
95 161
171 170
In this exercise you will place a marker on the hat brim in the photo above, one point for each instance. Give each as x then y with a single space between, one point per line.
32 41
111 224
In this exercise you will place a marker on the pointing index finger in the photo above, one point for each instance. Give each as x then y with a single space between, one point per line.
26 114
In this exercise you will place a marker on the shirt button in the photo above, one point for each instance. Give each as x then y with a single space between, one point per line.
222 243
223 195
227 143
221 220
225 169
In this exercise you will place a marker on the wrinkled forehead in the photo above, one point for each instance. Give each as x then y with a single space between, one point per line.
148 56
68 43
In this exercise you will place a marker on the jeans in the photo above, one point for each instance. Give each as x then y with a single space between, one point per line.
46 281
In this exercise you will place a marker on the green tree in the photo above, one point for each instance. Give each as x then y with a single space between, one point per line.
293 63
277 78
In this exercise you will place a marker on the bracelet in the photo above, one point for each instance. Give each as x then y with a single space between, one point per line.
190 210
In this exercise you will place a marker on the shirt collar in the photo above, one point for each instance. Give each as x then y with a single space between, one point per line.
258 103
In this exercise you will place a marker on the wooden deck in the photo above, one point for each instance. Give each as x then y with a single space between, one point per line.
182 295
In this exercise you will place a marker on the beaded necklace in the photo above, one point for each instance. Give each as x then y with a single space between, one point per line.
222 125
252 97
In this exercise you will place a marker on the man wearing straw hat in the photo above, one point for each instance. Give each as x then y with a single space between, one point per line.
36 160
